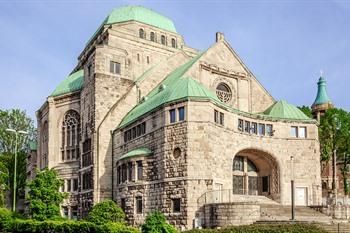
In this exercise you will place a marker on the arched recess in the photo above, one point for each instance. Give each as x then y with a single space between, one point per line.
256 172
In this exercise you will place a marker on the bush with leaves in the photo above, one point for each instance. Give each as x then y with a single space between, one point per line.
106 211
44 196
156 223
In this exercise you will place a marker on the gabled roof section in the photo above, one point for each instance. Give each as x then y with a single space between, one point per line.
72 83
136 152
173 87
284 110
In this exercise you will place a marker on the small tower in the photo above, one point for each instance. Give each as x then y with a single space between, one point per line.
322 102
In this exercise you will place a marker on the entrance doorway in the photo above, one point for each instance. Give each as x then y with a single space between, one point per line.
301 196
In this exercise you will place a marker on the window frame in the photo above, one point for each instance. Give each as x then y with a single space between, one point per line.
138 205
114 67
172 115
176 205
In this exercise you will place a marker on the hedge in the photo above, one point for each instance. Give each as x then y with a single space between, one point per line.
68 226
268 228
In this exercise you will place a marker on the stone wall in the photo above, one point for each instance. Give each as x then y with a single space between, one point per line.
230 214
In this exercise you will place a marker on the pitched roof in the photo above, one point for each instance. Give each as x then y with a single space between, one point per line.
284 110
322 96
136 152
173 87
72 83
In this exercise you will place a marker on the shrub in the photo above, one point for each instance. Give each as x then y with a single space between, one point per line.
106 211
156 223
68 226
5 218
269 228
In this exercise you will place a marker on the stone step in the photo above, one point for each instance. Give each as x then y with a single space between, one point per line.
283 213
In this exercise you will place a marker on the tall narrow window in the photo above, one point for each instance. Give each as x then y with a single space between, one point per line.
70 135
261 129
123 204
75 185
139 170
69 185
147 59
45 142
173 43
254 128
221 118
130 168
247 126
240 124
142 33
153 37
124 173
181 113
269 130
114 67
162 40
216 116
138 205
302 132
176 205
172 115
294 131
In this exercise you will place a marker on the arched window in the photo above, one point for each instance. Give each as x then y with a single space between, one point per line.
223 92
162 40
173 43
153 37
70 135
142 33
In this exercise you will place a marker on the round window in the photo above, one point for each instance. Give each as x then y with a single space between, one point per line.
223 92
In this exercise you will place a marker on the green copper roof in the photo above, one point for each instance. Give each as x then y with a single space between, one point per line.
172 88
284 110
322 96
136 152
139 14
33 145
72 83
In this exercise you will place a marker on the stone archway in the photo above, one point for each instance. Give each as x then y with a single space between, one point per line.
255 172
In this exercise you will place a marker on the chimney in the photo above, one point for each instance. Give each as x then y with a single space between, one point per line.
219 36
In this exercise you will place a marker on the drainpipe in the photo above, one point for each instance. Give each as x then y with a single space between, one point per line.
112 134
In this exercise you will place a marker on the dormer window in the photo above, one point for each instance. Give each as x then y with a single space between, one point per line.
142 33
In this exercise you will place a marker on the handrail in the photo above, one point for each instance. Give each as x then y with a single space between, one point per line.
224 196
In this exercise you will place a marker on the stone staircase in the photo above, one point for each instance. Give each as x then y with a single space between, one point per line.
261 200
279 213
337 227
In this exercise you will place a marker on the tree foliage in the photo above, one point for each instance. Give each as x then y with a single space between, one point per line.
106 211
334 135
44 195
156 223
306 110
17 120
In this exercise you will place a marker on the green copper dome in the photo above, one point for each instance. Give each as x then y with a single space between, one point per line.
72 83
140 14
322 96
284 110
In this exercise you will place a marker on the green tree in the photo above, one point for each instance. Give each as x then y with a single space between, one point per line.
17 120
334 135
3 183
44 196
306 110
106 211
156 223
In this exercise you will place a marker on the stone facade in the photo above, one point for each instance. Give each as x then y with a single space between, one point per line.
188 158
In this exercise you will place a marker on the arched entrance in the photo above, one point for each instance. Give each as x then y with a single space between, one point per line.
255 172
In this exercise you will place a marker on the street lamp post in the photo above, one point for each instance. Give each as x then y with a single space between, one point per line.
16 132
292 188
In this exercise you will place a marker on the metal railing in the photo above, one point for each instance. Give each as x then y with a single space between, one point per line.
225 196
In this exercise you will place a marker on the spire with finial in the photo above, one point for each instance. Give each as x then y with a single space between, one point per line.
322 101
322 96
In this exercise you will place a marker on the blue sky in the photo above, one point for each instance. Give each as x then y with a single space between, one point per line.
284 43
